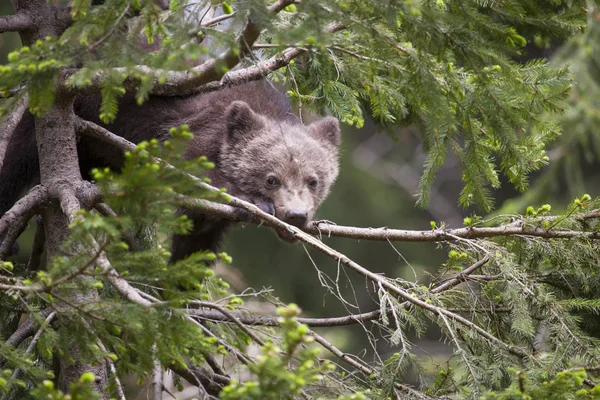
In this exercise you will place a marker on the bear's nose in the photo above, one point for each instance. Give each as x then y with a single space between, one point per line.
296 217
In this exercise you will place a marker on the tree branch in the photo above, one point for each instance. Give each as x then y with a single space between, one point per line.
272 320
113 371
33 343
16 22
10 125
24 331
25 208
178 83
15 220
212 382
360 366
231 317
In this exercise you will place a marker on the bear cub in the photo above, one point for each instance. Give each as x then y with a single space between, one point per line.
262 153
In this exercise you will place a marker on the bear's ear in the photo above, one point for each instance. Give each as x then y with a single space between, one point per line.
326 130
241 120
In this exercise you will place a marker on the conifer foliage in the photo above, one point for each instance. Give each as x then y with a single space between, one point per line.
516 300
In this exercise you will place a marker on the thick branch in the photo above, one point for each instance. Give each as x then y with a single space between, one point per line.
16 22
10 125
14 222
25 208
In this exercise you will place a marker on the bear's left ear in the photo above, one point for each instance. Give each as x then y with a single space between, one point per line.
326 130
241 121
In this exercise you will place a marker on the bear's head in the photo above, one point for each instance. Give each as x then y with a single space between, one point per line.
285 163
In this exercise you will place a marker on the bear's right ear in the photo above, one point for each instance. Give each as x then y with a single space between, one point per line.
326 130
241 120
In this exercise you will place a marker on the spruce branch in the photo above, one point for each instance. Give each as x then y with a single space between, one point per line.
34 341
24 331
177 83
20 21
360 366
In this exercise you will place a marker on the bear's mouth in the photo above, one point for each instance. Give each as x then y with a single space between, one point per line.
286 236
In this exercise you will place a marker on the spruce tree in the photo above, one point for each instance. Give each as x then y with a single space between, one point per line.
516 299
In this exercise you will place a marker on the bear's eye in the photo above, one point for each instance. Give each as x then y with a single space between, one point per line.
272 182
313 183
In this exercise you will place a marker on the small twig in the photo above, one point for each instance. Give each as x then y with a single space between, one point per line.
218 19
361 367
231 318
461 276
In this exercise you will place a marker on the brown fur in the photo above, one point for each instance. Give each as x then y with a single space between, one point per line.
249 133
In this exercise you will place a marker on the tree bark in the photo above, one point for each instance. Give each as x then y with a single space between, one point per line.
60 175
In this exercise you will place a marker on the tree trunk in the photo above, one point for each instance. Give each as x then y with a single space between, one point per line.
60 174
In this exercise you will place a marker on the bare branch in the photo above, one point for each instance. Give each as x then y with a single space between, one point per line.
16 22
231 317
14 222
442 235
10 124
25 208
272 320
